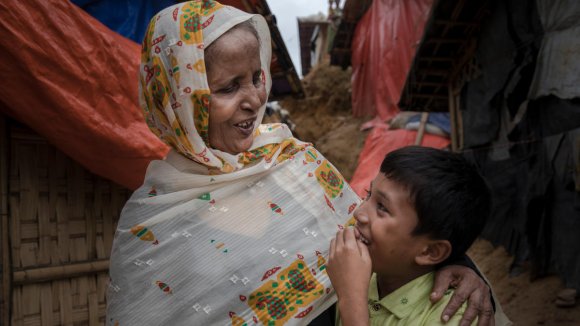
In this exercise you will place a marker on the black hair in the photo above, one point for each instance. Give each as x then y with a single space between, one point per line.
246 25
451 198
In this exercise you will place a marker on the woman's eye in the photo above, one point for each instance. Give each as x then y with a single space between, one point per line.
257 79
228 89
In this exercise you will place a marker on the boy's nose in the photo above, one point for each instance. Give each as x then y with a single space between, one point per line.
359 214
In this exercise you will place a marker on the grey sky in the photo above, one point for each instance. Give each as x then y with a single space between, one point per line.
286 12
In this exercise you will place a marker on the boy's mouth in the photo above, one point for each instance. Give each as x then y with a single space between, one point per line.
362 238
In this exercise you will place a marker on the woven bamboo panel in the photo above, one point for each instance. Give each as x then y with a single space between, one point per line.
62 222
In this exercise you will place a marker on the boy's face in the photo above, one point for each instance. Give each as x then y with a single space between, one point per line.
237 90
385 221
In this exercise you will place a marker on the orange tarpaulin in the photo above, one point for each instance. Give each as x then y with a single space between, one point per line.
383 48
74 81
378 143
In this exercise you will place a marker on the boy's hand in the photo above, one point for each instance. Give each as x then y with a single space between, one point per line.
469 287
349 268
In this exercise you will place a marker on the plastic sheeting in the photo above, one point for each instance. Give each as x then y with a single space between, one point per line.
383 48
558 67
126 17
74 81
379 143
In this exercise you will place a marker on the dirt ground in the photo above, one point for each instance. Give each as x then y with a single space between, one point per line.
324 118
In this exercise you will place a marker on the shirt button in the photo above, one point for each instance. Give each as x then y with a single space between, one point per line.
376 307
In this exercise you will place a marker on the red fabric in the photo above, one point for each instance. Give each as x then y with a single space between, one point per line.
379 143
74 81
383 48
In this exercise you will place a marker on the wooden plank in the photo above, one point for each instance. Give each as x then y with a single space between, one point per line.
66 307
79 316
30 299
17 314
93 303
6 263
459 118
452 118
44 238
421 131
46 313
53 273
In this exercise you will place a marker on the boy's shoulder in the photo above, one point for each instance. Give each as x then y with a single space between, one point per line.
410 304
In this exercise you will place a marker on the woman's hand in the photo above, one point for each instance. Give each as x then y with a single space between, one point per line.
469 287
349 268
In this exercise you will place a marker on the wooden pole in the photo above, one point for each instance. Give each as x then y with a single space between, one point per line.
459 119
453 118
6 290
46 274
422 125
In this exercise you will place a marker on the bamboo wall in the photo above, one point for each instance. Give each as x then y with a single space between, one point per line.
61 221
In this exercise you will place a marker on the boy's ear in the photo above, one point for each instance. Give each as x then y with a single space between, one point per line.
433 253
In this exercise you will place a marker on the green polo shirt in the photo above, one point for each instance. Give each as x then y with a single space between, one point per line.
409 305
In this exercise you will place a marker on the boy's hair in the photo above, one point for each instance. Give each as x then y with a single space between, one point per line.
450 197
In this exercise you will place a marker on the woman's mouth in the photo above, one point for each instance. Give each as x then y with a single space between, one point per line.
246 127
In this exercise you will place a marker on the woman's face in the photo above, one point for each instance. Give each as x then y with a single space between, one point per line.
237 90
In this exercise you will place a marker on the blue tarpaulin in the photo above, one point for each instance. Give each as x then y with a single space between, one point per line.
126 17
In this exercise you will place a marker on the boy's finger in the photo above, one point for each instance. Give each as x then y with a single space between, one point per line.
331 249
349 236
363 250
339 239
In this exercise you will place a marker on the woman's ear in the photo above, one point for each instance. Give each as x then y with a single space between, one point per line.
434 253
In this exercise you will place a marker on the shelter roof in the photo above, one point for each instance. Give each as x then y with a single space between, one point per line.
307 27
352 12
448 44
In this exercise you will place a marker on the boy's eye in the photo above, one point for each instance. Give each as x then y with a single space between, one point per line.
382 208
368 195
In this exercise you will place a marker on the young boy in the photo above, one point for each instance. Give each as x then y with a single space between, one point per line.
426 206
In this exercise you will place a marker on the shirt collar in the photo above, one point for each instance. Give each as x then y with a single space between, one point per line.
402 301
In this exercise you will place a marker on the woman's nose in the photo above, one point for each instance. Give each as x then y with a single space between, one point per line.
252 98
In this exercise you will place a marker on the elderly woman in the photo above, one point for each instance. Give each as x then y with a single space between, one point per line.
233 226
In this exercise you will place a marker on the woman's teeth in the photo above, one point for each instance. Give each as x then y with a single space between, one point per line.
245 125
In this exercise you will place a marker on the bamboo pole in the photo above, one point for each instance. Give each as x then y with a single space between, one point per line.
6 300
453 118
53 273
422 125
459 119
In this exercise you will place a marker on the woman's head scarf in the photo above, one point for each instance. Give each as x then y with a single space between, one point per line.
174 91
213 238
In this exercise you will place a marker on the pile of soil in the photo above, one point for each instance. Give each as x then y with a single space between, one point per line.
524 301
324 118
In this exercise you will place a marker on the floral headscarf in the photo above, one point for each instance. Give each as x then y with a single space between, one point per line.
212 238
174 91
